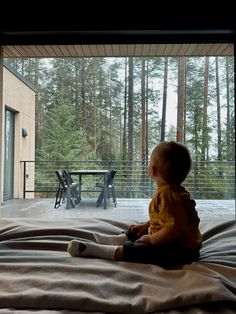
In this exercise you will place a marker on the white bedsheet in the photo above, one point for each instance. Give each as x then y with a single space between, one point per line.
38 275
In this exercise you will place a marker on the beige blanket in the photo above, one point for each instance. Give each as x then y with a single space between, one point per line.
37 274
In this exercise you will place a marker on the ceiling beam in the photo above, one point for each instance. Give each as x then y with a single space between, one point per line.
116 36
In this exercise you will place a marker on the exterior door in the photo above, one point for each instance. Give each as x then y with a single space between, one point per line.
9 154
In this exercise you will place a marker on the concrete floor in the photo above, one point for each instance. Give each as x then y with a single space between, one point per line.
126 209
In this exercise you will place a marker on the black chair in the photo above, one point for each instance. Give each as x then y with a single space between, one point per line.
110 189
60 195
66 185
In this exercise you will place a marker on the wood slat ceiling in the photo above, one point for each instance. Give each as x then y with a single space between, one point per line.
115 50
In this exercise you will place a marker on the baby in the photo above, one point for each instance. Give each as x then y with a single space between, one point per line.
171 236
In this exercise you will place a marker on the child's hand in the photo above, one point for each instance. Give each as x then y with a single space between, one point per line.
139 229
144 239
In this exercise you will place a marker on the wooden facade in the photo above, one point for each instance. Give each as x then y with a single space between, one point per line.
19 99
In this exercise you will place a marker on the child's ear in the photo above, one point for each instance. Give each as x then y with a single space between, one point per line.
154 171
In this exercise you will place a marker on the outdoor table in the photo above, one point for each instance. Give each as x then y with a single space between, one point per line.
92 172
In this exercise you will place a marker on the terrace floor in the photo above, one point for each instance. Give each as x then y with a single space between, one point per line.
127 209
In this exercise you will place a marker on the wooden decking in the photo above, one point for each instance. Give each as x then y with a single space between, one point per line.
126 209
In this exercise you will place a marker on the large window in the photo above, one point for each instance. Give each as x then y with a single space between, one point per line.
117 109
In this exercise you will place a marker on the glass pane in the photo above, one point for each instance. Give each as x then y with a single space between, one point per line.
9 155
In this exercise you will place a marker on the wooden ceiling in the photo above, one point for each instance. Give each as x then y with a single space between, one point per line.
117 50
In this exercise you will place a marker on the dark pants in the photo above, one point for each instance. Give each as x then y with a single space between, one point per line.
165 255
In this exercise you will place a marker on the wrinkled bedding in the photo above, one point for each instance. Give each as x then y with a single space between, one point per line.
38 276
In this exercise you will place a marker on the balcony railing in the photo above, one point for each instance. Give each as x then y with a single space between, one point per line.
207 180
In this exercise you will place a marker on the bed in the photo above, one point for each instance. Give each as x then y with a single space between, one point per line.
38 276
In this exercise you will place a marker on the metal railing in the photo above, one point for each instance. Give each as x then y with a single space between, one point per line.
206 180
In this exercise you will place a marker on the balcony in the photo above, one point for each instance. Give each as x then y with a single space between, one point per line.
212 184
126 210
206 180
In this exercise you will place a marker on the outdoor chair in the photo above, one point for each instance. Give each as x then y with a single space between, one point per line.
110 189
65 181
60 195
74 197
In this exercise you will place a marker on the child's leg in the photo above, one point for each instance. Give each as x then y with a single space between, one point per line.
119 254
119 239
88 249
138 252
110 239
162 255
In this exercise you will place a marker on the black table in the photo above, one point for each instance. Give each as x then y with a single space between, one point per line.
92 172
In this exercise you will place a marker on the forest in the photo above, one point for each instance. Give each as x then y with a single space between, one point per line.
119 108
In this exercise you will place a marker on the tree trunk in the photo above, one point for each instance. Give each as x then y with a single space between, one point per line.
94 110
163 118
218 112
130 109
143 116
204 154
125 116
77 105
130 124
228 142
181 100
146 110
37 109
84 113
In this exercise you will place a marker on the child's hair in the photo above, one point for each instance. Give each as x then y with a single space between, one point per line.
173 162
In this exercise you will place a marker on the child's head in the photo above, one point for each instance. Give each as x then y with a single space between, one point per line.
171 161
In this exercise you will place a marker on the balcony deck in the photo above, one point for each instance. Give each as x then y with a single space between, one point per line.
127 209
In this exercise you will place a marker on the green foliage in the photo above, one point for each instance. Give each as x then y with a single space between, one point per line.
81 104
61 140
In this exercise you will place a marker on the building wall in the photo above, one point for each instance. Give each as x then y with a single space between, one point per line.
1 123
19 97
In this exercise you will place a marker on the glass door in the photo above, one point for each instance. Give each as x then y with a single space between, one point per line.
9 154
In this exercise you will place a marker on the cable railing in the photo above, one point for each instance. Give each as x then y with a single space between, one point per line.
206 180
